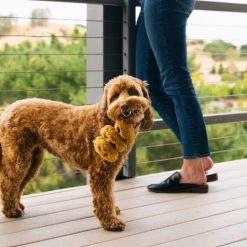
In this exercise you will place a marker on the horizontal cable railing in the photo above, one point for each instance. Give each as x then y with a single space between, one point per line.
210 119
180 157
159 124
59 36
99 54
178 143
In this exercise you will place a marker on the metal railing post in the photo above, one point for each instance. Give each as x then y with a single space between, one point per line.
104 48
129 31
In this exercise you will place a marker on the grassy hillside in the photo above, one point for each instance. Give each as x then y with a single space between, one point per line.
36 34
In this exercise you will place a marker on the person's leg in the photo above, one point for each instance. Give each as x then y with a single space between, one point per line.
165 23
147 69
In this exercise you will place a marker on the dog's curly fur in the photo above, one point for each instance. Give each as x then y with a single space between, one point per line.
28 127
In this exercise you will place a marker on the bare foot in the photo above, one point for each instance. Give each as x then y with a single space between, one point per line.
207 163
193 172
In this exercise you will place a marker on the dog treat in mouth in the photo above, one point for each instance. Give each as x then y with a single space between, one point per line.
114 140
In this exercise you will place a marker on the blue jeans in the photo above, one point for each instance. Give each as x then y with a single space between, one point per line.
161 59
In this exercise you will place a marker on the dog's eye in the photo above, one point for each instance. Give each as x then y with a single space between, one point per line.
114 97
133 92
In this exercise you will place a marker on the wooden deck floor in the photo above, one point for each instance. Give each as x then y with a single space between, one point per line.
64 217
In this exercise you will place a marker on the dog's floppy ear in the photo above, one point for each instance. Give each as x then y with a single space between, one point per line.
147 121
104 103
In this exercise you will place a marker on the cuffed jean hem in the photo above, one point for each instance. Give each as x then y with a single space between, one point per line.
197 156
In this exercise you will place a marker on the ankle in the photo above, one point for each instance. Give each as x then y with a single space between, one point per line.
207 163
192 171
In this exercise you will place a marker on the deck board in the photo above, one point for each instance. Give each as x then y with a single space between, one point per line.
65 218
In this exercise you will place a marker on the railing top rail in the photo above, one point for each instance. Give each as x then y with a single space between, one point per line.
221 6
102 2
200 4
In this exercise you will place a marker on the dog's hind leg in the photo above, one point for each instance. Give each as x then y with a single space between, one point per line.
101 182
15 165
36 161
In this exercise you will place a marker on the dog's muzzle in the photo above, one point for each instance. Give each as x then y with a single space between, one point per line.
125 112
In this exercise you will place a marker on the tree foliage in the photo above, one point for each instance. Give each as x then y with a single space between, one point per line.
39 17
219 49
6 24
159 151
56 70
243 50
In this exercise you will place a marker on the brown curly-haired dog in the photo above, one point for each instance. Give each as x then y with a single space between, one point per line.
30 126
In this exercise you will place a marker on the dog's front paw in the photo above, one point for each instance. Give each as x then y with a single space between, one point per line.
12 212
115 225
21 206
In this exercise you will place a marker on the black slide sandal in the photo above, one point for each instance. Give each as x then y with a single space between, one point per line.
212 177
172 185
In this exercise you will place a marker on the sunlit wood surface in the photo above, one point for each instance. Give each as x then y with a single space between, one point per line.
64 217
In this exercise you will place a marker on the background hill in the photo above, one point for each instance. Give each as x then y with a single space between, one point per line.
34 34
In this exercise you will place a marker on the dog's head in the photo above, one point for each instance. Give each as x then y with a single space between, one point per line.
126 98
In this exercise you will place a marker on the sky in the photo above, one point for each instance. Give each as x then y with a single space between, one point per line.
207 25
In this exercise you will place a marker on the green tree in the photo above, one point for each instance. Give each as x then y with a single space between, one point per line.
243 50
221 69
40 17
55 174
53 71
160 151
219 49
194 67
213 70
6 24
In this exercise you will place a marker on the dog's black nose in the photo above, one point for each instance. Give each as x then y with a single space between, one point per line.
124 107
